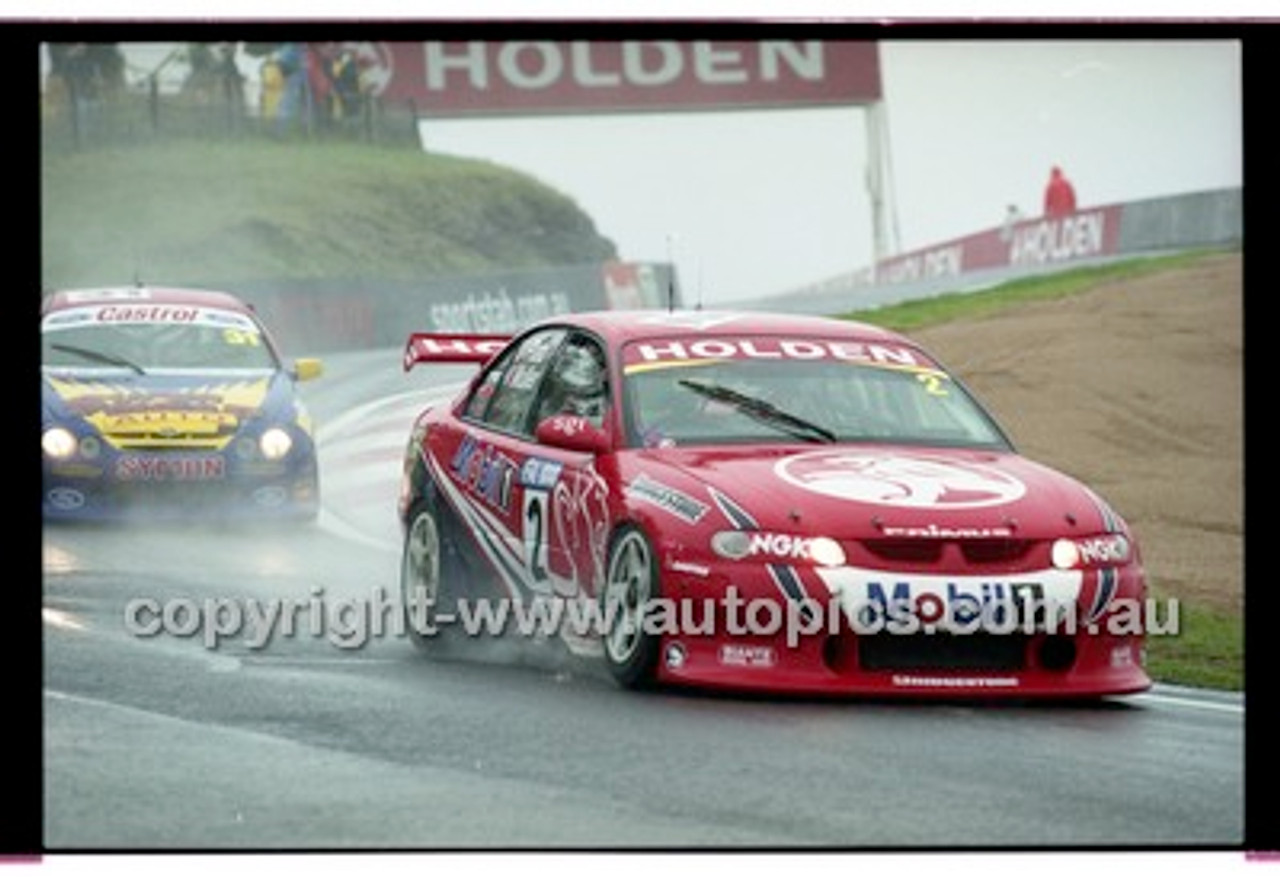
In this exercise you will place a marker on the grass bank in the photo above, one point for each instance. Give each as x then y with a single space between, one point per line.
193 212
918 313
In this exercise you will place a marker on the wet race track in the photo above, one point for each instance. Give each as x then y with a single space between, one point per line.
334 732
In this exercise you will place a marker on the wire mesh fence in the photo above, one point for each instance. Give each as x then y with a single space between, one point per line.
88 103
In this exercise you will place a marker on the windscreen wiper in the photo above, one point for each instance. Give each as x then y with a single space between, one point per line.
92 355
764 411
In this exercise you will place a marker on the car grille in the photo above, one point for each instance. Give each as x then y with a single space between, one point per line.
166 429
151 495
905 550
994 550
978 652
186 498
150 441
927 551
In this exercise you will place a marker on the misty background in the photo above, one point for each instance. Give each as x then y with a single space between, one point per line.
755 203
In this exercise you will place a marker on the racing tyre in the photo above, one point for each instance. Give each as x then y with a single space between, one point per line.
424 580
631 583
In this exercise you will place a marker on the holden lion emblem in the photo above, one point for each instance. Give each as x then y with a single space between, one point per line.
889 480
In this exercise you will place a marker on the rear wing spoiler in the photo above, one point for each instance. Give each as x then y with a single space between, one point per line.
452 348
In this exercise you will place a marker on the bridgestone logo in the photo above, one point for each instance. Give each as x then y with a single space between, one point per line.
684 506
921 681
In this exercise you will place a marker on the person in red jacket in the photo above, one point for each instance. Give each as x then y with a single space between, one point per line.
1059 195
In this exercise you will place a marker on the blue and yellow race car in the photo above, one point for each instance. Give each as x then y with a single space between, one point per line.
170 402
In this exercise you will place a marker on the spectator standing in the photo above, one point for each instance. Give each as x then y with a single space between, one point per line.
90 73
1059 195
214 77
272 80
295 94
232 79
344 73
319 87
1012 218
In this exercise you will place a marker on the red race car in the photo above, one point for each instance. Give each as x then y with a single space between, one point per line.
757 501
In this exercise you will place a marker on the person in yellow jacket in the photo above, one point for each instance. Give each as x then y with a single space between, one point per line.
272 88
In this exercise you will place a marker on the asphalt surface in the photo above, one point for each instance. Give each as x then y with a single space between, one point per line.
339 734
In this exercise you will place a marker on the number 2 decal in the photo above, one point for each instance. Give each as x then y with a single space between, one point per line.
535 534
933 383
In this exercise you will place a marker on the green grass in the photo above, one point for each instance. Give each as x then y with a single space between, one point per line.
946 307
194 212
1206 651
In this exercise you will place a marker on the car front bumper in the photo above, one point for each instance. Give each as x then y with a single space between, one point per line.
199 486
770 628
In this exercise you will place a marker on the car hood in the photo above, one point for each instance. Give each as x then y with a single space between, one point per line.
873 491
201 410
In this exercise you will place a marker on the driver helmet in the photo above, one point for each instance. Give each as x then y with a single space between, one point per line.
579 375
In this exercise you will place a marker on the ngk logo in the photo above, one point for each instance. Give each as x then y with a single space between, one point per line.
779 545
1106 549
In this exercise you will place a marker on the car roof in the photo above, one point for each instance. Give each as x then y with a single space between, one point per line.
156 295
624 326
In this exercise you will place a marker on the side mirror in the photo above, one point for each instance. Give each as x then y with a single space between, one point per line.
307 369
572 433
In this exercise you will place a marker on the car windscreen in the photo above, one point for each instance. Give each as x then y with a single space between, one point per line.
682 399
169 339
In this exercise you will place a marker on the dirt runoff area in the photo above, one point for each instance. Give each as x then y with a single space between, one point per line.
1136 388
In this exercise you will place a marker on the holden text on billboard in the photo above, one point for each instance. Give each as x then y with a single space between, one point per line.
565 77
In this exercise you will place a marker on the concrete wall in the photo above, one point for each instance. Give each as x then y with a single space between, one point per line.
308 316
1195 219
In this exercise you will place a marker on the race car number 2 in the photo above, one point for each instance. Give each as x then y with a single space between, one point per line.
535 523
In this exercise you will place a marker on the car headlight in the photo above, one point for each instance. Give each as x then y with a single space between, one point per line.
826 551
733 544
275 443
58 443
1112 549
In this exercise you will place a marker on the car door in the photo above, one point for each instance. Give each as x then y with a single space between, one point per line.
538 511
491 464
563 492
